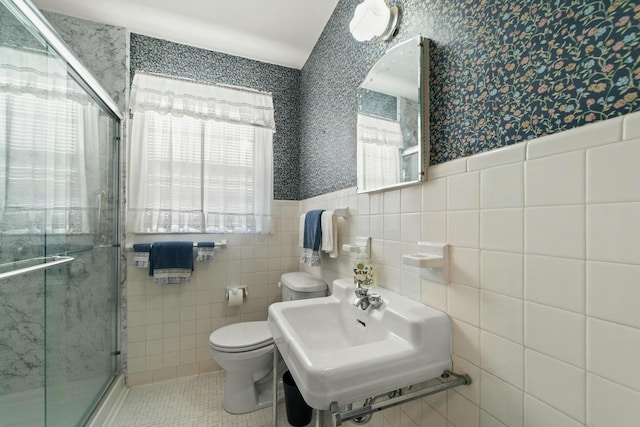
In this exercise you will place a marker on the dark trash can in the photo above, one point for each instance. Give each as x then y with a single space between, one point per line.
298 412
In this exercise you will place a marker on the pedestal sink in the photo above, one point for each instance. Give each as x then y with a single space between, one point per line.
340 353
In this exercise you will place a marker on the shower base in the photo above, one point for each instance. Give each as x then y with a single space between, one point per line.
27 408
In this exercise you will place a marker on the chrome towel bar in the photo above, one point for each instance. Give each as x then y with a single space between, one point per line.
47 262
458 379
220 244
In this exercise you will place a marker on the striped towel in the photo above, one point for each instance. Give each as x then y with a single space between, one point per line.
171 262
141 254
205 251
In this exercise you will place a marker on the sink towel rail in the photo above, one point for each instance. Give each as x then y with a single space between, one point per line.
448 380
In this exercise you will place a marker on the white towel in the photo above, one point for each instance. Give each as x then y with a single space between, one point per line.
301 237
329 234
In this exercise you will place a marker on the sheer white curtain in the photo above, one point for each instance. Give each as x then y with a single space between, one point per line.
201 158
378 152
47 128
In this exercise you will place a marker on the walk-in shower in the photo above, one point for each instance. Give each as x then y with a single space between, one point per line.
59 204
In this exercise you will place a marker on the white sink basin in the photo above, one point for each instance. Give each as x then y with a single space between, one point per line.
338 352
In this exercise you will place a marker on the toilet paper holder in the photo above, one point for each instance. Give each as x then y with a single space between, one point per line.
245 291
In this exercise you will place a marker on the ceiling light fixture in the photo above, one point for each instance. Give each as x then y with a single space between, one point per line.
372 18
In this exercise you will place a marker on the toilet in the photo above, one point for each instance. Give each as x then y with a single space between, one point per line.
245 350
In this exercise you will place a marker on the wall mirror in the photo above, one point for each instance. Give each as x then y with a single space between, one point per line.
393 118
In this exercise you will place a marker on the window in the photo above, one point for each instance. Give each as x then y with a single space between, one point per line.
201 158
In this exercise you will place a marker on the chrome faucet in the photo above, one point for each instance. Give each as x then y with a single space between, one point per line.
364 300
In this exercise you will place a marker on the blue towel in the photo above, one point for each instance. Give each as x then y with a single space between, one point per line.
142 247
206 244
313 230
312 237
171 262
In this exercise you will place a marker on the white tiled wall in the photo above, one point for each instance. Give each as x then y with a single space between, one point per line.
545 281
545 276
169 325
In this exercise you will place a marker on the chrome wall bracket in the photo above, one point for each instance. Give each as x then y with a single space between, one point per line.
447 380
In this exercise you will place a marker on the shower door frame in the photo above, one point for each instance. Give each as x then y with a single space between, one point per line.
93 88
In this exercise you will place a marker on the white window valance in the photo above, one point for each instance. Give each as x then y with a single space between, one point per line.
201 101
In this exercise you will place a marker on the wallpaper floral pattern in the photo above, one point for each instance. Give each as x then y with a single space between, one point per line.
502 72
531 70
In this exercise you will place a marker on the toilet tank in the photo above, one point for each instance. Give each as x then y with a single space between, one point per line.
300 285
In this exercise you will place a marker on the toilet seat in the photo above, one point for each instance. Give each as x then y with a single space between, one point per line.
241 337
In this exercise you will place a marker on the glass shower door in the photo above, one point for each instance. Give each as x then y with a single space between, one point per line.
59 275
81 301
22 338
22 236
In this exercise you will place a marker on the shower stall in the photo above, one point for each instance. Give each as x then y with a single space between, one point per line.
59 205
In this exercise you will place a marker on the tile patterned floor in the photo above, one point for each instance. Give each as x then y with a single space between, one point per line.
192 401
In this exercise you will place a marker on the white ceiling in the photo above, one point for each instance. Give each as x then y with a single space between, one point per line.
280 32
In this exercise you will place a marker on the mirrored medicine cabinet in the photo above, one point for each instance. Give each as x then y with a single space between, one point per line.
393 119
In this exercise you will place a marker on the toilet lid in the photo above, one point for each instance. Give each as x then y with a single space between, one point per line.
301 281
243 336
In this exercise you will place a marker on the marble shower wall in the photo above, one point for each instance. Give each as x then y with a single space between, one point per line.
101 48
13 33
501 73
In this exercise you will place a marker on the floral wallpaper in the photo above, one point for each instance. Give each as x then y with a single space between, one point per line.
502 72
530 70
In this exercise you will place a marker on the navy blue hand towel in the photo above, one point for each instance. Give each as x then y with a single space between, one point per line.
142 247
206 244
313 230
166 255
